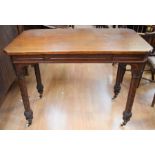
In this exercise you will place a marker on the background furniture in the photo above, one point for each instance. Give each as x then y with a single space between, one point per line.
150 38
27 27
58 26
151 61
7 75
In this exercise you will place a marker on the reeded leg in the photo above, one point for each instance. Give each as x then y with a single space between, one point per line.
119 79
136 70
38 79
23 89
153 101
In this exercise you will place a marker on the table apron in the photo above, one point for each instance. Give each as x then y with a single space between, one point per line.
79 58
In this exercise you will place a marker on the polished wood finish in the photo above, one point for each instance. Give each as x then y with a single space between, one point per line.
83 45
78 41
38 79
119 78
23 89
136 70
78 97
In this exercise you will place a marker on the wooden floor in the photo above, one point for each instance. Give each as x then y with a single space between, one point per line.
78 96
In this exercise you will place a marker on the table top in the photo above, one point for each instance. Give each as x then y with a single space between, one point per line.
78 41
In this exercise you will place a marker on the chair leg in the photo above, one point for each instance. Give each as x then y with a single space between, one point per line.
153 101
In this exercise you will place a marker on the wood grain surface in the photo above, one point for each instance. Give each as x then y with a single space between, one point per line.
78 96
74 41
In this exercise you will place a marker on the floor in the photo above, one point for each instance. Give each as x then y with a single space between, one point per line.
78 96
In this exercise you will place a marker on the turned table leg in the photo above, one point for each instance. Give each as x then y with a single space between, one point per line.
120 74
38 79
23 89
136 70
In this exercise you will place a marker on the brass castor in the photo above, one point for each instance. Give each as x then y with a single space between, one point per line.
29 122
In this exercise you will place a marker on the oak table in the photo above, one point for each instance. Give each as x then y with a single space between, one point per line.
122 46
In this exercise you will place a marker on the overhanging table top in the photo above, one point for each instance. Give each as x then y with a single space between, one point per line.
78 41
123 46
